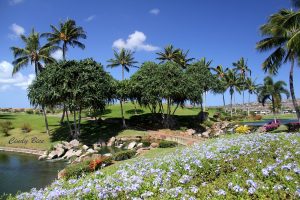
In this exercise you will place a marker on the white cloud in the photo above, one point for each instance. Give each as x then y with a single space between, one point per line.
17 30
135 41
15 2
90 18
58 54
18 80
154 11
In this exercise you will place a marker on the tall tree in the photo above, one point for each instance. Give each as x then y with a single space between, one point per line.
182 59
220 72
36 55
125 59
169 54
282 33
241 67
251 86
233 83
66 34
272 91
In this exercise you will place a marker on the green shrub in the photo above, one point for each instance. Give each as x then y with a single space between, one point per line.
208 123
124 155
5 127
293 126
167 144
76 170
26 128
146 143
183 128
29 111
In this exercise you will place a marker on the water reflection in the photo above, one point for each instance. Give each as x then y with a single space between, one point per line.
21 172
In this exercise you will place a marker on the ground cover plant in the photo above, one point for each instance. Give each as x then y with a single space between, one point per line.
252 166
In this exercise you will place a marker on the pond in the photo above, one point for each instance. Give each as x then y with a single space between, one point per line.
21 172
265 121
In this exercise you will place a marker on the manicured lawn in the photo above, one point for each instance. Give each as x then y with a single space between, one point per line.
91 130
36 122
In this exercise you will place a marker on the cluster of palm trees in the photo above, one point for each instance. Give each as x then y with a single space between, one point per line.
67 34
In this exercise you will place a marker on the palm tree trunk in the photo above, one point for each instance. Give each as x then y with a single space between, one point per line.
64 106
204 101
293 91
46 120
122 113
224 104
243 100
121 101
249 104
273 108
231 110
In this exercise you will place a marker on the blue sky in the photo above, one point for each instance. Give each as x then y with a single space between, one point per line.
222 31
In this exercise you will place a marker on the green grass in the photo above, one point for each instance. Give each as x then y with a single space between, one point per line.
38 130
91 131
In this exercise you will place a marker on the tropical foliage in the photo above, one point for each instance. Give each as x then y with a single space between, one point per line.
77 84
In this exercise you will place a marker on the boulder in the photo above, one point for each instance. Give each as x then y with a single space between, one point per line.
96 155
78 152
59 145
91 151
190 132
142 150
120 146
74 143
52 154
206 134
111 142
69 154
97 147
131 145
59 152
154 145
218 132
61 174
43 157
139 145
84 147
107 155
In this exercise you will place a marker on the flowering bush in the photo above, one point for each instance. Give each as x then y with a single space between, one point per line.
99 162
271 126
243 129
256 166
293 126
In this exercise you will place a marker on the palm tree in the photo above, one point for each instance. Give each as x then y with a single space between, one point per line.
241 67
182 59
251 86
220 72
233 82
68 34
282 33
169 54
126 60
35 54
272 91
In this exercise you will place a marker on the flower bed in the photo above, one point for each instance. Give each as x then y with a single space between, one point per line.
253 166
